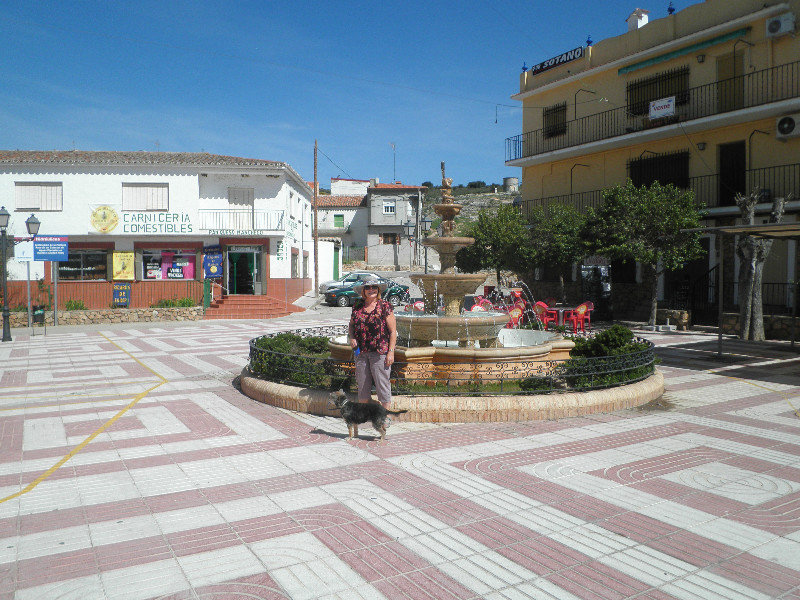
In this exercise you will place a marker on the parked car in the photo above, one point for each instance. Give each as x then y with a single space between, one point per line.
346 295
345 280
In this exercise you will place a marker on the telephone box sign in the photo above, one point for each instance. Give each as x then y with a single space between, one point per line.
557 60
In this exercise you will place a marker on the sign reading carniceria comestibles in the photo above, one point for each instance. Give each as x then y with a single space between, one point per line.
557 60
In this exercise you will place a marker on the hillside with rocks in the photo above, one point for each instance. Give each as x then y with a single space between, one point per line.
473 201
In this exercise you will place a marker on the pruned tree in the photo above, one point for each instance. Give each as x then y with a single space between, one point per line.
647 225
555 238
501 242
752 254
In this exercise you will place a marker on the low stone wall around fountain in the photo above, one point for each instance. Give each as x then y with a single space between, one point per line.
467 409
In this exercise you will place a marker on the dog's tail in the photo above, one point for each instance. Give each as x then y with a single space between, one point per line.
396 412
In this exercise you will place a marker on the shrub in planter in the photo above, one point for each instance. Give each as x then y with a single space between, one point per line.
74 305
605 360
298 360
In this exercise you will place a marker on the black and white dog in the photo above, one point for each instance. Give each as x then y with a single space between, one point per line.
356 413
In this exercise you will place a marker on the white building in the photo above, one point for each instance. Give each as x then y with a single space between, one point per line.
166 213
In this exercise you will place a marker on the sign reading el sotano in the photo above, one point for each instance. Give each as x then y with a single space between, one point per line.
107 219
557 60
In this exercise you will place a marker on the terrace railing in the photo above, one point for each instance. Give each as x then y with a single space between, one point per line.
238 220
711 190
744 91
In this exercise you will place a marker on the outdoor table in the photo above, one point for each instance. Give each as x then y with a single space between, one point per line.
562 309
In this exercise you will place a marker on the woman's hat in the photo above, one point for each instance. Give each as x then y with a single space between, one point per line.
370 280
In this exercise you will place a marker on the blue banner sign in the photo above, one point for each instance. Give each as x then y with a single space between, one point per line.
122 293
52 248
212 262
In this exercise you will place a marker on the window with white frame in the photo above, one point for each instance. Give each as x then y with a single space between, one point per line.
145 196
389 207
35 195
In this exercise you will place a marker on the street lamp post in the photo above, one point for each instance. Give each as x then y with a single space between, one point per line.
410 226
32 223
425 222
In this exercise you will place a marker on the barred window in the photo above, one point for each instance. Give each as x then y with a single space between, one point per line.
389 207
34 195
640 93
145 196
389 238
555 120
665 168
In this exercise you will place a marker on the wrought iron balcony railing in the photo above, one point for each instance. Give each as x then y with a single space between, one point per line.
240 220
713 191
745 91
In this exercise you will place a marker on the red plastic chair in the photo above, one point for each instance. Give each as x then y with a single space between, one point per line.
544 315
579 317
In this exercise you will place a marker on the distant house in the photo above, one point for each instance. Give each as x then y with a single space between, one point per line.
368 221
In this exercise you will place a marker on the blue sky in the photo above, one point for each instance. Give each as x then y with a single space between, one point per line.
263 79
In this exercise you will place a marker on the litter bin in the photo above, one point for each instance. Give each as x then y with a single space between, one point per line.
38 313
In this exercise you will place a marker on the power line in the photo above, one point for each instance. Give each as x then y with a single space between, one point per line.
335 165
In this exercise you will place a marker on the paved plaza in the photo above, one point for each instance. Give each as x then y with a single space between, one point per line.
132 468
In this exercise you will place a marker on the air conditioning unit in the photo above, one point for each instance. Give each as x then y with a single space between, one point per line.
787 127
780 25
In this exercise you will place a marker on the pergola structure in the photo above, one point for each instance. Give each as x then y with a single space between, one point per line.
775 231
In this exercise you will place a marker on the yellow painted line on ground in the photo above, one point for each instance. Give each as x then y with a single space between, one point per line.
94 434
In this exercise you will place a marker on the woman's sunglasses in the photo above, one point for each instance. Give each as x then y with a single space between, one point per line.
370 287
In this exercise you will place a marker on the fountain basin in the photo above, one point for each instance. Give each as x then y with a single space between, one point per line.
453 286
443 362
420 329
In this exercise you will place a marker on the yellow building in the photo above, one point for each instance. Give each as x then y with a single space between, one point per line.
707 98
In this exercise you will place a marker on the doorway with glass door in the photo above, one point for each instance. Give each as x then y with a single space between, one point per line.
243 276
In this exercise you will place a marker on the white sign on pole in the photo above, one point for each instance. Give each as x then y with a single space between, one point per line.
23 252
662 108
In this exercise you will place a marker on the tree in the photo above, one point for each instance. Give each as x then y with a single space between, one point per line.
555 239
427 184
752 254
476 184
501 242
645 224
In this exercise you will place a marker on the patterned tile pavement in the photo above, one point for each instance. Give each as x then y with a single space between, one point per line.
131 468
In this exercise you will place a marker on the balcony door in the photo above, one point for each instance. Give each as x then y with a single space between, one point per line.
730 81
241 202
732 172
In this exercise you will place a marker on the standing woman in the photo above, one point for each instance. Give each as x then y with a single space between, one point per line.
373 334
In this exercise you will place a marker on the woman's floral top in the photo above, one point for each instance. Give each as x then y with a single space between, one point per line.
370 329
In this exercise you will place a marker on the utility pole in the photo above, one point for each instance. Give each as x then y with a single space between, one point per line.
316 234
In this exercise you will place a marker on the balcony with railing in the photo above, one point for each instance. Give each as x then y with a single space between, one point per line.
241 221
744 91
713 191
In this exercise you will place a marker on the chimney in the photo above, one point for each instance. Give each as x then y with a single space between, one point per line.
374 181
637 19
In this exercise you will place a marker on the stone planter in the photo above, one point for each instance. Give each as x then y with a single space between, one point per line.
113 315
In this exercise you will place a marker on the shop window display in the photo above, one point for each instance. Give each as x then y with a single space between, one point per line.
168 264
84 265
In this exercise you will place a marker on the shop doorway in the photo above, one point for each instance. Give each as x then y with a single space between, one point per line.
243 271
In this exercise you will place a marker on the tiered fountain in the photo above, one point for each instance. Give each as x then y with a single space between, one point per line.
421 329
453 343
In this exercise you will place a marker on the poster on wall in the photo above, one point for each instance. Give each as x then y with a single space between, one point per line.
121 294
212 262
152 268
123 266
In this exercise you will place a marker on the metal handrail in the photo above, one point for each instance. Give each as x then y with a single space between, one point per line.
456 379
744 91
774 181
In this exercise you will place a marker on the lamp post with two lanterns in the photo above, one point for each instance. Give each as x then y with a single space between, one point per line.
32 224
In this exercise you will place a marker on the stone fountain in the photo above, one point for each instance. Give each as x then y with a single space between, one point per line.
415 329
451 344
